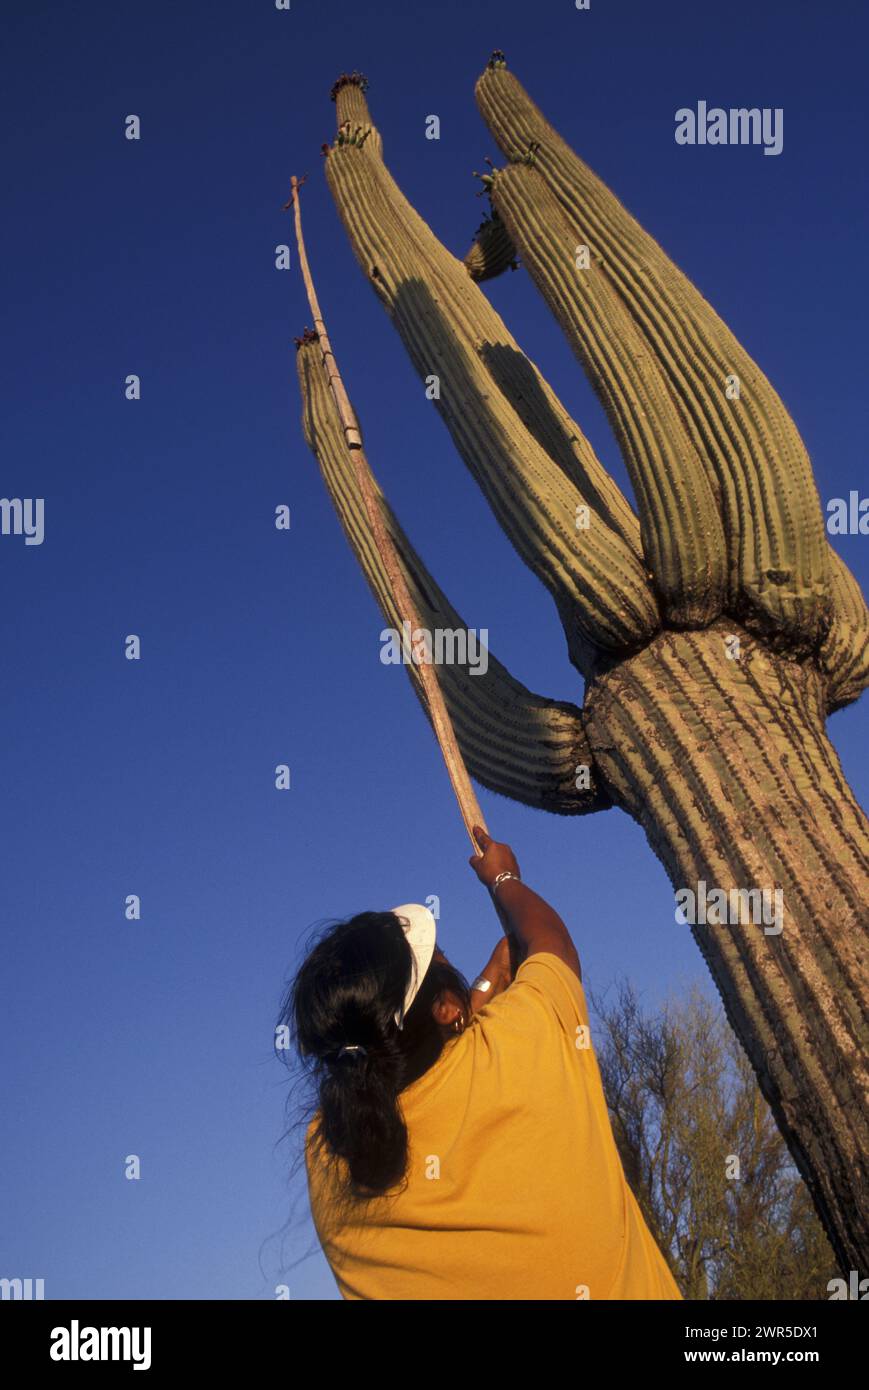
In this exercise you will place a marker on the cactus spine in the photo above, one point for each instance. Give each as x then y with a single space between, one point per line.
715 632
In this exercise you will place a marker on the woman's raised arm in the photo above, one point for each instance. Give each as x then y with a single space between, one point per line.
525 915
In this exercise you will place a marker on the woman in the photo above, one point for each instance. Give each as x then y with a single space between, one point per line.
462 1147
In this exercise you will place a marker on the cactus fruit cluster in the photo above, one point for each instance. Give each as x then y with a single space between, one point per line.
492 252
349 134
715 627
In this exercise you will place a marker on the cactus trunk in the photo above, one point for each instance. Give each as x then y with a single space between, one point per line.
726 765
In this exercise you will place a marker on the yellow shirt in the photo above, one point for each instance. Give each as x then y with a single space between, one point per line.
515 1189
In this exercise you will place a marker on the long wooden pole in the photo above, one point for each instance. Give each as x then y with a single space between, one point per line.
443 727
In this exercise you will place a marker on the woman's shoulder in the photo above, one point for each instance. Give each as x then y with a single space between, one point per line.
546 987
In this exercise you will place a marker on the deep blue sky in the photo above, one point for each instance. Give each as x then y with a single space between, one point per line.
262 647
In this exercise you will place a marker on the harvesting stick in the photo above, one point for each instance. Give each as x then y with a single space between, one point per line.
443 727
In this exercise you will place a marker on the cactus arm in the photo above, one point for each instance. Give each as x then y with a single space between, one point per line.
514 742
683 540
516 377
452 332
543 415
771 511
348 94
845 653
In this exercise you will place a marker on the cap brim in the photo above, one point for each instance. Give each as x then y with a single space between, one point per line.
420 929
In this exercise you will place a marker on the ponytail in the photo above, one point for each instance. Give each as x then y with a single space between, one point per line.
341 1009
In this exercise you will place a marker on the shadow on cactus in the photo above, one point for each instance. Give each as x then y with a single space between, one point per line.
715 628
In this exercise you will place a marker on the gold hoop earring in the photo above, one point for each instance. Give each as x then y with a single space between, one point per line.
459 1023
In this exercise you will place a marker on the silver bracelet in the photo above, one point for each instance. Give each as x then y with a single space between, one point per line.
500 879
482 984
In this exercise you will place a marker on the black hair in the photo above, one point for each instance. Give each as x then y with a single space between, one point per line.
347 991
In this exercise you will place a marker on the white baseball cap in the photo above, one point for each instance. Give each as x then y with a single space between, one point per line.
420 930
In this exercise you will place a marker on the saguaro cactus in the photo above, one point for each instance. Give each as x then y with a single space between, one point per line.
715 633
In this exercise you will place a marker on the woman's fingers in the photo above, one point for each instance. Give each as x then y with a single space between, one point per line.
483 841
